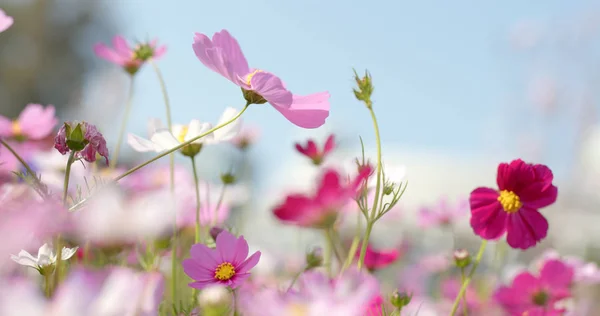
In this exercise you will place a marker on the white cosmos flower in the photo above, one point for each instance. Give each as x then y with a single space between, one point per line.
45 257
162 138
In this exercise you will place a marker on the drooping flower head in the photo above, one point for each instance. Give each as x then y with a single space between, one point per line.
131 59
34 123
321 210
513 209
537 295
311 150
442 214
227 265
379 259
224 56
5 21
83 138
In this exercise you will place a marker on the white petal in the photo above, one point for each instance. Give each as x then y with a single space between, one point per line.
164 140
154 125
194 129
25 259
230 131
177 130
45 250
139 144
199 129
68 252
44 260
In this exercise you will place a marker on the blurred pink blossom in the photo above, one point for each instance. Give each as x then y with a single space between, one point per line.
131 59
444 213
34 123
585 272
5 21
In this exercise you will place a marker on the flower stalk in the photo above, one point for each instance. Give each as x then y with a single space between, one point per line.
128 106
467 280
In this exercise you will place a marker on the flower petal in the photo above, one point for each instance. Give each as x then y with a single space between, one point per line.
238 280
205 256
121 47
107 53
526 228
196 271
271 88
164 140
200 284
488 218
250 263
141 145
241 251
232 129
226 245
309 111
556 274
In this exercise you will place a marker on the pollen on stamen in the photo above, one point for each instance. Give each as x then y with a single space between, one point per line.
182 134
224 271
16 128
510 201
249 77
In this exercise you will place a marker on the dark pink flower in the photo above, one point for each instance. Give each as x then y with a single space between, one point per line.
227 265
312 151
442 214
34 123
379 259
513 208
224 56
87 145
322 209
131 59
532 296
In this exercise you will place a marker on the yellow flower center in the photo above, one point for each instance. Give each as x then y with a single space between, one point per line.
182 134
249 77
224 271
297 310
510 201
16 128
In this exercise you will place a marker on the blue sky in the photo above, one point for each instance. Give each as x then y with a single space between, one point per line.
443 71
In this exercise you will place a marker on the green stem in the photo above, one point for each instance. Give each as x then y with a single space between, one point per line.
327 252
331 237
295 279
58 242
67 176
48 284
128 106
371 219
198 226
466 282
355 243
219 202
37 182
464 303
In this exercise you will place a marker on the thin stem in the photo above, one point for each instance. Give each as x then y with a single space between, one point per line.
327 252
128 106
371 219
219 202
26 166
198 226
464 303
167 152
67 176
295 279
58 242
466 282
355 243
48 284
163 88
331 237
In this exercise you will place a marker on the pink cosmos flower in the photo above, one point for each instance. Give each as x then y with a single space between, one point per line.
5 21
131 59
311 151
443 214
227 265
585 272
34 123
224 56
513 209
322 209
379 259
537 296
93 142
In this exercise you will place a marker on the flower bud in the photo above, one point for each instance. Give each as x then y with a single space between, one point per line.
215 231
365 88
215 300
314 258
462 258
388 189
399 300
228 178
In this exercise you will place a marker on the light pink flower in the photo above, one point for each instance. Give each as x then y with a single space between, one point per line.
131 59
322 209
311 151
34 123
5 21
227 265
443 213
585 272
537 295
224 56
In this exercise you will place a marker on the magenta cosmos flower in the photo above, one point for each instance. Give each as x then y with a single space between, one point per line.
379 259
513 208
84 138
321 210
224 56
536 296
311 150
131 59
226 265
5 21
34 123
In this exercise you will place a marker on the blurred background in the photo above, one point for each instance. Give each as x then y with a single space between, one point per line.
459 87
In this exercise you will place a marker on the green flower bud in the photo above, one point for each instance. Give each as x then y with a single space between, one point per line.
462 258
314 259
399 300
